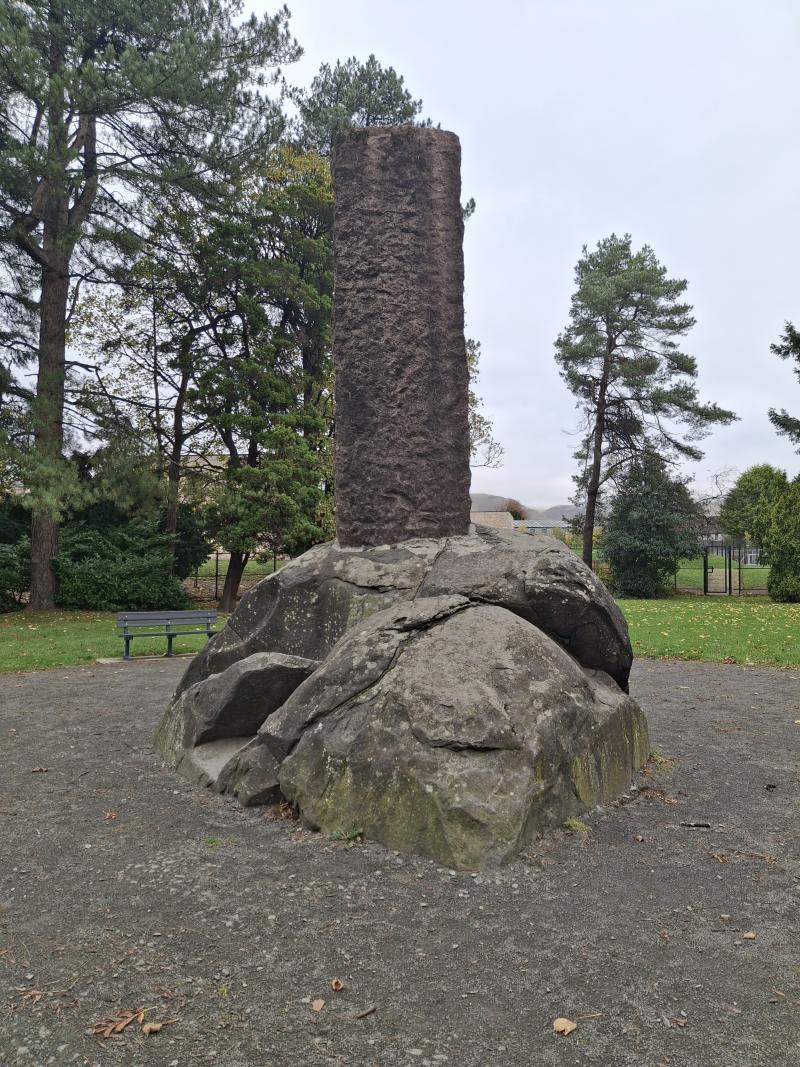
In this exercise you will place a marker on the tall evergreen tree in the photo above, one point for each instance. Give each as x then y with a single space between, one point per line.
99 102
787 348
619 356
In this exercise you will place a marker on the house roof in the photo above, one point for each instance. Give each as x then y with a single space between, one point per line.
541 524
500 520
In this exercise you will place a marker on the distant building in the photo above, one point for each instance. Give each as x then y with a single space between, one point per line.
500 520
540 526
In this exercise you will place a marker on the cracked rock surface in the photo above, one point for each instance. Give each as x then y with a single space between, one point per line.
449 696
453 730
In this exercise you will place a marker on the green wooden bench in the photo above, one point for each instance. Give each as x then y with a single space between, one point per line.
169 624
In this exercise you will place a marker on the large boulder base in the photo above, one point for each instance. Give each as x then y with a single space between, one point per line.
449 697
452 730
305 607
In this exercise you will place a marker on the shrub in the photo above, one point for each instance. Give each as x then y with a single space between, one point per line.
603 572
650 529
15 573
133 583
782 587
122 569
782 543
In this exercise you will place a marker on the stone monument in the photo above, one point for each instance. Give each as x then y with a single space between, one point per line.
445 689
402 436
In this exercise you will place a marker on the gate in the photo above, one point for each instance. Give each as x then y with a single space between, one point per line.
718 571
732 570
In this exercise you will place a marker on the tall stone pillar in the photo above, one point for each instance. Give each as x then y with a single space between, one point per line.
402 437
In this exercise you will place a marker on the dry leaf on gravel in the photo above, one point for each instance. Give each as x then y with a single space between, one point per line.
123 1019
33 995
337 985
318 1004
119 1022
564 1026
749 936
109 816
39 770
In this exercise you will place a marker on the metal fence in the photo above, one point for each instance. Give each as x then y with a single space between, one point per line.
723 570
205 585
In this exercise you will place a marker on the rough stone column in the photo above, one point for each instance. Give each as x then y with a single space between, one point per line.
402 437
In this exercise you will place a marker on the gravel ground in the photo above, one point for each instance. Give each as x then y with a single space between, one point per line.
123 888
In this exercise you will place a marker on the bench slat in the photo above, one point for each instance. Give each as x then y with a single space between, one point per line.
166 616
172 633
160 627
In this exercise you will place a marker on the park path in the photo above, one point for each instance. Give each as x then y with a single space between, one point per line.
123 887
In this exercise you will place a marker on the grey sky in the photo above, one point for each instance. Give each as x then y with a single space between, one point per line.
676 121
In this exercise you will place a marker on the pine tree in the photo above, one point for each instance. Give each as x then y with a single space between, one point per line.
619 356
353 94
100 102
787 348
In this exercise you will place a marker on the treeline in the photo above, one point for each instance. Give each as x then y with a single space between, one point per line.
166 276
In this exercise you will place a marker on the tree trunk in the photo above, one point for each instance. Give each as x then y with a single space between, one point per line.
588 519
48 433
44 548
174 470
593 486
236 566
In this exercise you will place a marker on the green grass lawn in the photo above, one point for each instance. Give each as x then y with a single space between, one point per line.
33 640
722 628
737 629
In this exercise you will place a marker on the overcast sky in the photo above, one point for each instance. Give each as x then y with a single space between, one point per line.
675 120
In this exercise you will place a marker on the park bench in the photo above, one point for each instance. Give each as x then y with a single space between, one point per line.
169 624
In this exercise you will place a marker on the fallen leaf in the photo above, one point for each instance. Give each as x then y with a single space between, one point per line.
678 1021
118 1023
151 1028
337 985
137 1017
109 815
564 1026
318 1004
39 770
33 995
749 936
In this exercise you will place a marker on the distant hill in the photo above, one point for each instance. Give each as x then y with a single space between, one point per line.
561 511
487 502
490 502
